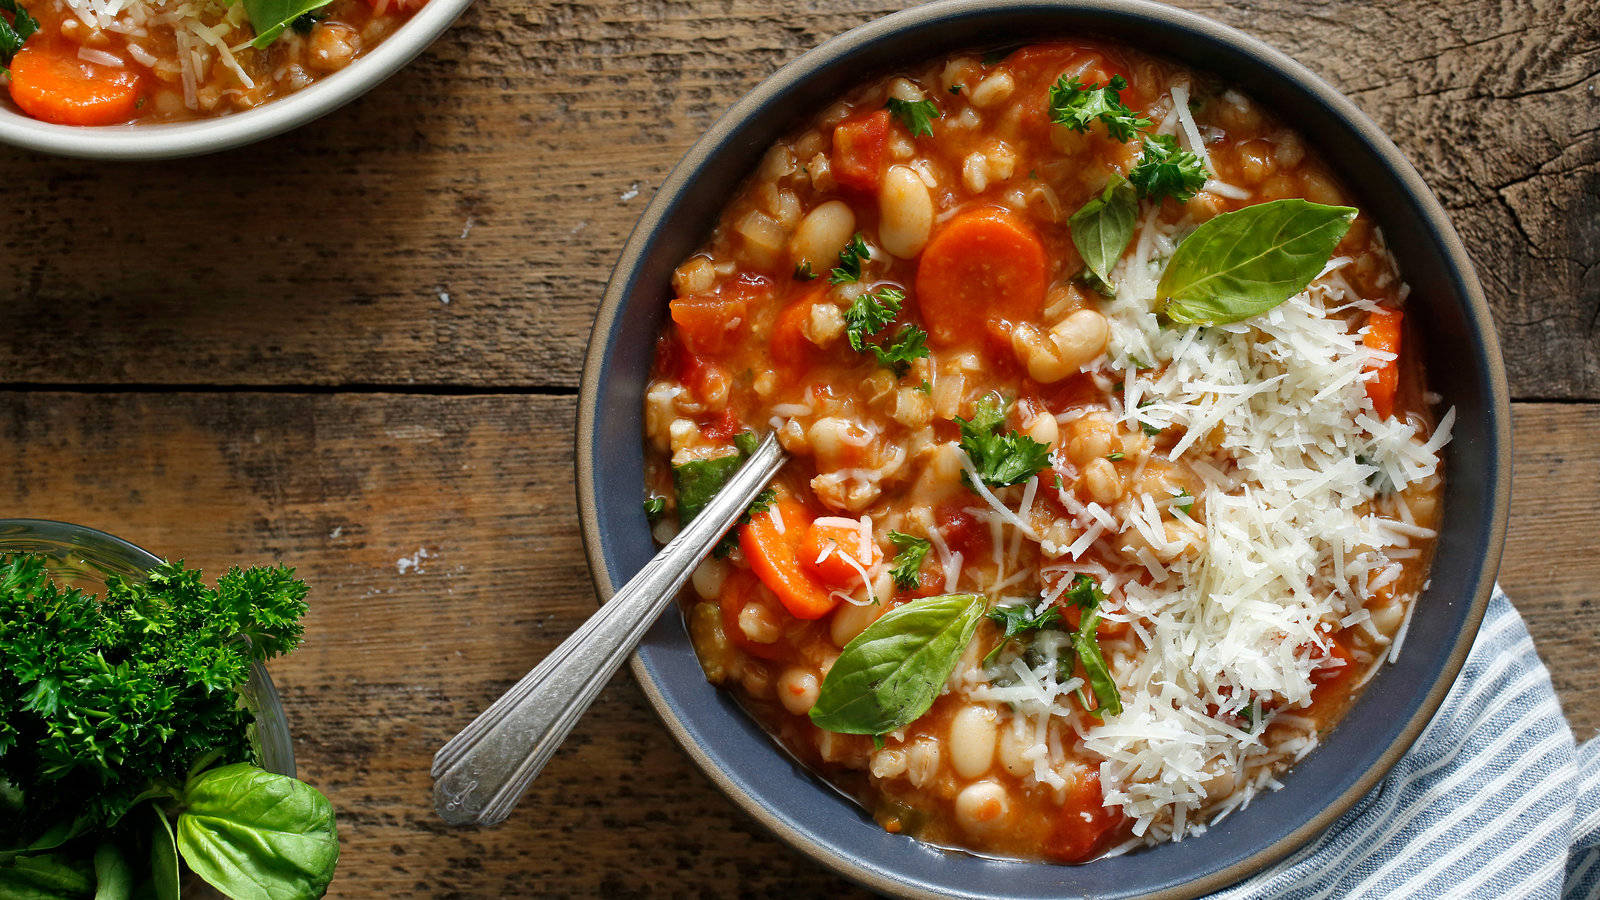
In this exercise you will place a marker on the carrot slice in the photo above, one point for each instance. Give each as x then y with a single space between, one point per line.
985 265
50 83
1383 333
772 551
860 148
834 551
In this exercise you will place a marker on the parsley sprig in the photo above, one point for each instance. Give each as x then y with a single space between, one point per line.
1166 170
1001 458
916 115
15 33
1077 106
870 314
851 258
906 567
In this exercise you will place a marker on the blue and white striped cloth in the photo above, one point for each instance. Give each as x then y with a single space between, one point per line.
1495 800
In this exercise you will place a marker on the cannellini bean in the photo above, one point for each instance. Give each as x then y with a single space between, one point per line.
888 763
822 234
763 237
1068 347
1102 481
992 90
1014 742
850 620
1387 616
982 806
972 737
832 438
758 624
708 577
1043 428
922 761
906 213
797 690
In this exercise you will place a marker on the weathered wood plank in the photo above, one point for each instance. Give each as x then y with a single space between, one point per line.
399 656
504 168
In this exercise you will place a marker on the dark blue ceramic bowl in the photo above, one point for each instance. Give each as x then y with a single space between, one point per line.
1463 362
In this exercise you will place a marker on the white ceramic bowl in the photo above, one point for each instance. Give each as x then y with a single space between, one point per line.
168 141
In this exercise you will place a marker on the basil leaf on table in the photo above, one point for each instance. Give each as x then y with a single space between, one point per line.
255 835
893 671
47 876
113 877
1102 228
270 17
164 878
1244 263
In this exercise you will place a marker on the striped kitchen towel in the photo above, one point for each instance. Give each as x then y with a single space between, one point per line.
1494 800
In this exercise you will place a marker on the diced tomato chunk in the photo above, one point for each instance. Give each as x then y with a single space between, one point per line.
860 150
1383 334
1085 826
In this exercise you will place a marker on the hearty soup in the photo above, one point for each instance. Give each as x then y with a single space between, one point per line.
112 62
1113 479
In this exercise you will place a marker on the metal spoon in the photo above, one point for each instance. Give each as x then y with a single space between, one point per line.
482 772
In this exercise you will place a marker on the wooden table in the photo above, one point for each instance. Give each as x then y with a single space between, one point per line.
356 348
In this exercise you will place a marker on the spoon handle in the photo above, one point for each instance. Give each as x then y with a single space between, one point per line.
482 772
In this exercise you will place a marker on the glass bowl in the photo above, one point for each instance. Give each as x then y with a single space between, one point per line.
83 558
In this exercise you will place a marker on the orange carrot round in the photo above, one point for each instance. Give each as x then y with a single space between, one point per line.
50 83
830 547
773 556
985 265
1383 333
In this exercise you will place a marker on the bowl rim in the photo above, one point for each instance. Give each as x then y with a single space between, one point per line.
181 139
1271 61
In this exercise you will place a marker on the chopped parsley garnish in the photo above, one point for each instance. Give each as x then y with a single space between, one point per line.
1148 428
909 343
1077 106
1179 498
654 507
1166 170
851 258
925 387
1084 592
955 88
1115 455
1019 620
916 115
802 272
1000 458
15 33
871 313
906 567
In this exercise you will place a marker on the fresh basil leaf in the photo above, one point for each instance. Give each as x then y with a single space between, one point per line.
113 877
1102 228
164 878
893 671
256 835
697 481
1244 263
49 839
1018 620
270 17
1086 645
47 876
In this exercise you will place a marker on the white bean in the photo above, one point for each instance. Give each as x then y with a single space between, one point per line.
822 234
906 213
1014 741
797 689
708 578
982 806
972 734
850 620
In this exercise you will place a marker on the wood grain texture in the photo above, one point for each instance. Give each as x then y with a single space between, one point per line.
439 537
503 169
